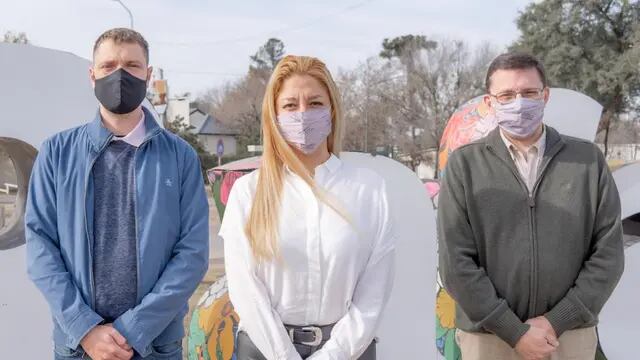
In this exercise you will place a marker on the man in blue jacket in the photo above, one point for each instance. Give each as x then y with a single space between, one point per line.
117 220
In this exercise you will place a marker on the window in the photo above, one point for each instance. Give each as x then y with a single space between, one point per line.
16 162
8 189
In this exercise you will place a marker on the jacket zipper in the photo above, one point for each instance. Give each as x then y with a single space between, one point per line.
86 222
532 221
531 202
135 213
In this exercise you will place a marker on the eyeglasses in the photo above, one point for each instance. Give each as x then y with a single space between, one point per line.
507 97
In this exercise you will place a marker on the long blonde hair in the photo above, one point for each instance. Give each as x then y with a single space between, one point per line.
262 226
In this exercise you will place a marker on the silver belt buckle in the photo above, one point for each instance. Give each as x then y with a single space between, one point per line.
317 333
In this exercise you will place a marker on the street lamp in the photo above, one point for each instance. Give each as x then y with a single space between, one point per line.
128 11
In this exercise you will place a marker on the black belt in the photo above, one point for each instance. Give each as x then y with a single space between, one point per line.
313 336
303 339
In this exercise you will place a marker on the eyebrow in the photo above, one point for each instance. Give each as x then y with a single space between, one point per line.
523 89
107 62
291 98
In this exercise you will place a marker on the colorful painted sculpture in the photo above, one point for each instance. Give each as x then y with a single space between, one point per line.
471 122
213 325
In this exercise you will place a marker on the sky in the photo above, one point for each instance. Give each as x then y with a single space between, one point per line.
204 44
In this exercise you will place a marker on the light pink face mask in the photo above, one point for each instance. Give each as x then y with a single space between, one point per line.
305 130
520 118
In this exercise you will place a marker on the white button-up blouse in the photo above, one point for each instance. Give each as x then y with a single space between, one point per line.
331 270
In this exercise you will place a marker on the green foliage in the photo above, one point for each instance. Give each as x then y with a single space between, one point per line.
405 45
589 46
180 128
240 103
268 56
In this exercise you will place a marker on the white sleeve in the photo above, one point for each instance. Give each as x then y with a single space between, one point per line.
246 291
355 331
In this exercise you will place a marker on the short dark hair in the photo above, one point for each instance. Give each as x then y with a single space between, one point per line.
514 61
123 35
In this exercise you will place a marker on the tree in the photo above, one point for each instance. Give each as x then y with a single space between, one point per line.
437 77
268 55
589 46
367 116
180 128
15 38
239 104
406 48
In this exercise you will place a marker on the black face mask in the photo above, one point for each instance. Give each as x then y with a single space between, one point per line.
120 92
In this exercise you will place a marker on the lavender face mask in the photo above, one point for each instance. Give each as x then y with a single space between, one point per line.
305 130
520 118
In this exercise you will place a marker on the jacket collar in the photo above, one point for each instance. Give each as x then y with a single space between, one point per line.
554 143
100 135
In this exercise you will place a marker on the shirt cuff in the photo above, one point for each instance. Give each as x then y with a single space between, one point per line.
289 354
506 325
81 326
564 316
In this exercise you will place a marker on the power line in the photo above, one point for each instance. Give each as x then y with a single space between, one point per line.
262 36
202 72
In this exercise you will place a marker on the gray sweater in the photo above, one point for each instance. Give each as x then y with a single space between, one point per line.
506 256
114 246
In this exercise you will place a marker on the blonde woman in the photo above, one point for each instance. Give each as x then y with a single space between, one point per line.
309 250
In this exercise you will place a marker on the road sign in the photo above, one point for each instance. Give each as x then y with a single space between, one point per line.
220 148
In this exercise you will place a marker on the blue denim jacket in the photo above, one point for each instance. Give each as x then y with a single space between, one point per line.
172 217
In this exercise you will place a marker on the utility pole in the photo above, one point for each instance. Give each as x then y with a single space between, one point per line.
128 12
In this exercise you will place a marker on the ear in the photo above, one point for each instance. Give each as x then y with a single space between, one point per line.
92 76
149 74
547 92
487 100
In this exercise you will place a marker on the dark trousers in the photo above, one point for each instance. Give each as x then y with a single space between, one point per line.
246 349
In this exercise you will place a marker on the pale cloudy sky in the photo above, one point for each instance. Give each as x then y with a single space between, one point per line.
202 44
